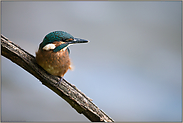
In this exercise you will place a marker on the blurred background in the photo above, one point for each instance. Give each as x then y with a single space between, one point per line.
131 68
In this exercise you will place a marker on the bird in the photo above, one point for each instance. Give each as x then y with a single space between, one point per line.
53 52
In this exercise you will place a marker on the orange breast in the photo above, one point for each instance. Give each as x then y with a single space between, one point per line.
55 63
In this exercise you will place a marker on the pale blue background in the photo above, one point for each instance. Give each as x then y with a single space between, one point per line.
131 68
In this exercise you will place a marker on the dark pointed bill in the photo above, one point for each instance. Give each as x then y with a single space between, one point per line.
78 40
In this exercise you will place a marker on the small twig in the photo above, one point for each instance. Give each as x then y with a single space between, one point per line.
79 101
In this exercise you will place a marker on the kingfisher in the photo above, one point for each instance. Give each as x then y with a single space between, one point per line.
53 52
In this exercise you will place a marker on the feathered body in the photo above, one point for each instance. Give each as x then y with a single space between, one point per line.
53 52
55 63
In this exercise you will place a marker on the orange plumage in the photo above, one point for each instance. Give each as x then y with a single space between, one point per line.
53 52
55 63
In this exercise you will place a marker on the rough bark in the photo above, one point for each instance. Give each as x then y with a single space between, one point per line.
78 100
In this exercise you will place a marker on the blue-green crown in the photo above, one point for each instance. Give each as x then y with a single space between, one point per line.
55 36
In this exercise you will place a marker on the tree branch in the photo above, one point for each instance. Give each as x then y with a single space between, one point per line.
79 101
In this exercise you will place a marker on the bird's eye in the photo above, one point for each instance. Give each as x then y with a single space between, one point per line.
70 39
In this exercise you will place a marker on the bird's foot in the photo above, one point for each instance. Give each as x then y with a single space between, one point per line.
59 82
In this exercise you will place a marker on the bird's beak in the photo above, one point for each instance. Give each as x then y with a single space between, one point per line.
78 40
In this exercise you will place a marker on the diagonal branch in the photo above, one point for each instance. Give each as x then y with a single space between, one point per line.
79 101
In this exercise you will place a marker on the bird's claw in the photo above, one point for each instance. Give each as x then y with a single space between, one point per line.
59 82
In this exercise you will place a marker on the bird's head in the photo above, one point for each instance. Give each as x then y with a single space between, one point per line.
62 38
